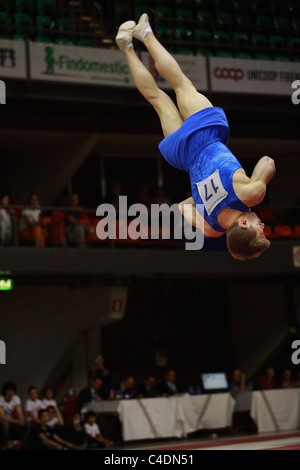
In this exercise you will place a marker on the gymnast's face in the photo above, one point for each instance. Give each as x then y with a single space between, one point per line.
250 219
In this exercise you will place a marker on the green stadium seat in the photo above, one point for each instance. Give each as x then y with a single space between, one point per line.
203 5
281 58
260 7
222 5
85 43
44 6
243 55
221 53
44 22
64 24
183 34
43 39
240 39
183 16
201 35
21 19
278 8
24 6
163 12
259 40
263 24
220 37
184 51
243 22
163 32
18 37
64 42
294 43
223 20
204 53
242 6
277 42
205 19
183 3
259 56
296 26
281 25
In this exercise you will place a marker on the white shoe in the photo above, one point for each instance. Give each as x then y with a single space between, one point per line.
124 36
142 28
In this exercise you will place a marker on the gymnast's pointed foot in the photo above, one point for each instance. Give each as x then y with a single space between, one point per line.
142 28
124 36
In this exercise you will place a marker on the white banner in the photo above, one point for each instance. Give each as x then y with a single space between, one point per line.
12 59
78 64
194 67
253 76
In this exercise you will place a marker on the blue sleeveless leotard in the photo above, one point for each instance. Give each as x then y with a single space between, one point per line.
198 147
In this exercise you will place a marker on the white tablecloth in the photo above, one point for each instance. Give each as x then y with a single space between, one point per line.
152 418
276 410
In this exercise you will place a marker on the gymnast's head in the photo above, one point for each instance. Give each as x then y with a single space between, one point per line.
246 238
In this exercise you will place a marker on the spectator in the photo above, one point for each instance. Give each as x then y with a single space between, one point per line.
11 414
148 389
161 196
168 387
6 222
91 428
286 379
45 437
32 406
74 229
55 420
48 400
268 380
125 389
30 227
238 382
75 433
94 392
99 370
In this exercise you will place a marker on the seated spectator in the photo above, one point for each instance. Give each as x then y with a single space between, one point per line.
167 386
76 434
48 400
45 437
98 369
268 380
55 420
125 389
74 229
7 222
91 428
94 392
286 379
148 389
30 228
11 415
161 196
238 382
32 406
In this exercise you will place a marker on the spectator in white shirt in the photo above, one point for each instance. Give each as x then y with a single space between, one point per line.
32 406
11 413
91 428
30 228
48 400
6 229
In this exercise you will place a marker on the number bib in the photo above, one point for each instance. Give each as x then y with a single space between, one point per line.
211 191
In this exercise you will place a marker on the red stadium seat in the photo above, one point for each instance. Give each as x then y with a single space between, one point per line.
284 231
268 231
297 231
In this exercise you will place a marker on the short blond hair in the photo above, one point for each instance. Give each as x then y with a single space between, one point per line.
245 244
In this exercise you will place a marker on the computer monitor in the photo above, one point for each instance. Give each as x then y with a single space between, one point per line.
214 382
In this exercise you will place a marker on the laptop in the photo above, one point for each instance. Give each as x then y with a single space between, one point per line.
214 382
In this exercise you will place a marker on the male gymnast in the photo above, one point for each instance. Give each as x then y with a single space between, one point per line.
195 137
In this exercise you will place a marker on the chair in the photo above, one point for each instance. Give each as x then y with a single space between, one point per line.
281 25
277 42
64 42
184 51
205 19
263 24
222 53
64 24
243 55
260 7
283 231
242 6
24 5
240 39
204 52
203 5
163 12
163 32
201 35
223 21
222 5
268 231
278 8
243 23
260 56
44 22
297 231
44 6
294 43
222 38
21 19
183 34
85 43
42 39
296 26
281 58
258 40
183 16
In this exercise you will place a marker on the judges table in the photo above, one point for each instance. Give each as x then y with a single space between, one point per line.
177 416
